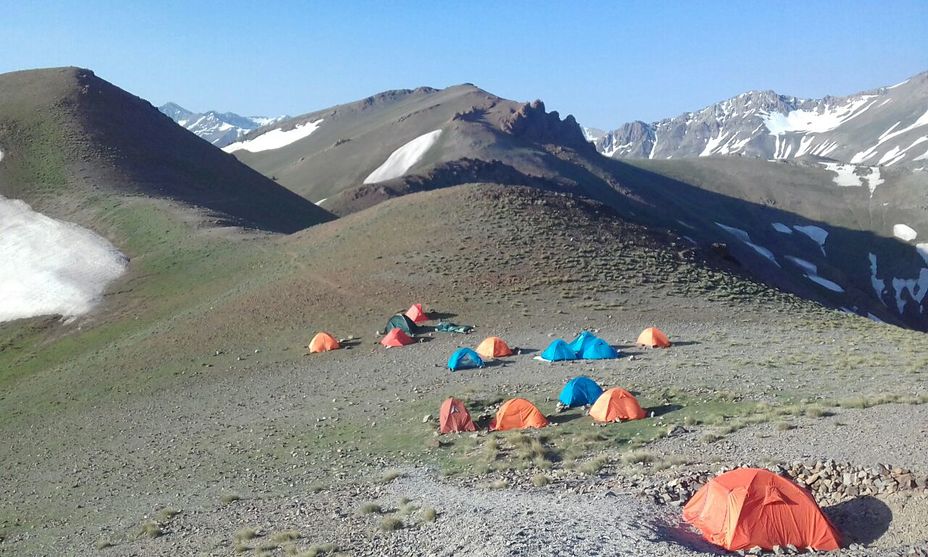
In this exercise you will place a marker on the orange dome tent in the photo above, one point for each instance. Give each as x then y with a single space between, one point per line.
518 413
493 347
652 337
396 337
750 507
416 314
453 417
323 342
616 404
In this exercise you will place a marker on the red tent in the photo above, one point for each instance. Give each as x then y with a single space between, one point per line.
750 507
396 337
416 314
453 417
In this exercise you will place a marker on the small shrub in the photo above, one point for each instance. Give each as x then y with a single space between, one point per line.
391 523
429 514
390 475
638 457
594 465
540 480
244 534
151 529
104 543
166 514
316 550
285 536
710 438
371 508
785 426
499 484
230 498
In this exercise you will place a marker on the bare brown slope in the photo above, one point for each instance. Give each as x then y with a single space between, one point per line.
66 131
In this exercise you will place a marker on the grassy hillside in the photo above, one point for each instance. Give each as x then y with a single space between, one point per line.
73 141
191 382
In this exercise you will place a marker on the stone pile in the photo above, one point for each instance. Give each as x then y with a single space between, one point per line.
829 481
834 482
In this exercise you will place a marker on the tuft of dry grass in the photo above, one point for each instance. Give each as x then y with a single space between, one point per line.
229 498
540 480
638 456
245 534
391 523
429 514
390 475
594 465
370 508
151 529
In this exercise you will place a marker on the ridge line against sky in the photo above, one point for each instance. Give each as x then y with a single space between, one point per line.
605 62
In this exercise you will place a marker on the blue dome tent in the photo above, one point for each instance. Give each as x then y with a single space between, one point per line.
464 358
579 391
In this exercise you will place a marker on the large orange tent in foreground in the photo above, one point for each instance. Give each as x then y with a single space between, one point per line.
652 337
518 413
396 337
323 342
453 417
616 404
493 347
750 507
416 314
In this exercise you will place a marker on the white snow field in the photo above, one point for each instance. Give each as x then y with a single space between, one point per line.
782 228
274 139
811 273
51 267
816 122
404 158
904 232
849 175
746 238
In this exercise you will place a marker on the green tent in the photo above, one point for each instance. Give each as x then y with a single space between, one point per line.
400 321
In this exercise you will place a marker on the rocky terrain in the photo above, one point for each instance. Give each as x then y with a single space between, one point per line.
181 414
886 126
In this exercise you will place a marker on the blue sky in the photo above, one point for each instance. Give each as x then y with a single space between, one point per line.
604 62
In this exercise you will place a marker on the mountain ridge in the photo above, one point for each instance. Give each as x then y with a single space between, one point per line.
882 126
219 128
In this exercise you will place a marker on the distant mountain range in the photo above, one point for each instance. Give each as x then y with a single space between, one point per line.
219 128
885 126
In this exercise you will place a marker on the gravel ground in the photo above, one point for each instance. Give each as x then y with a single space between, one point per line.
273 433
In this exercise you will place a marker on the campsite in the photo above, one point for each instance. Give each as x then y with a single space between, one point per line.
536 279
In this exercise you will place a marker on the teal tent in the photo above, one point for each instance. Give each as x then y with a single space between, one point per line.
464 358
580 391
557 351
400 321
580 342
598 349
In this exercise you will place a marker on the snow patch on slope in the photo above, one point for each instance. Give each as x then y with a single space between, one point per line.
746 238
816 233
851 176
806 266
821 281
879 285
404 158
782 228
51 267
812 121
274 139
916 287
904 232
922 250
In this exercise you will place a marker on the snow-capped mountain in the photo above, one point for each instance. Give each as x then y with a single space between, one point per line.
219 128
885 126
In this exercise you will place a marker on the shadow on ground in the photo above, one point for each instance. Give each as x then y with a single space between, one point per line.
683 535
862 520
